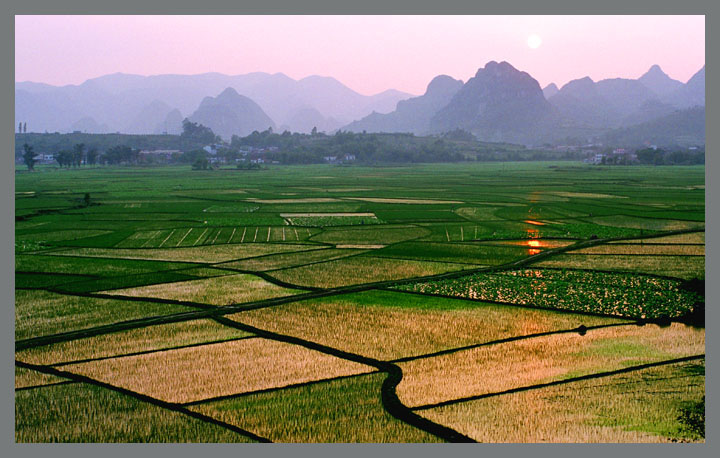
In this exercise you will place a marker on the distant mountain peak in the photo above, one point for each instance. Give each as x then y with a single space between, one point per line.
500 103
227 93
658 81
497 68
550 90
442 83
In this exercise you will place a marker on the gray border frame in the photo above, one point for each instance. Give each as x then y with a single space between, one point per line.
700 7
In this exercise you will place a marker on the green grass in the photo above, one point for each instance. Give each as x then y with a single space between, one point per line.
454 252
85 413
345 410
39 313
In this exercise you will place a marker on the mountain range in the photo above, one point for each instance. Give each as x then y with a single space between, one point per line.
141 104
499 103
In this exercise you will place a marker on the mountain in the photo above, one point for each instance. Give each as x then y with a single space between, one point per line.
550 90
659 82
652 109
147 119
88 125
231 114
304 119
691 94
117 99
414 114
500 103
682 127
172 124
583 103
580 104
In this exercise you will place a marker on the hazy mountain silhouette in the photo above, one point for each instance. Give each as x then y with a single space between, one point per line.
147 120
682 127
500 103
304 119
88 125
414 114
691 94
659 82
231 114
603 104
116 99
172 124
550 90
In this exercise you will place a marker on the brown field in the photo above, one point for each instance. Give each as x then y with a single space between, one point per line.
390 325
644 223
642 249
229 289
362 269
305 215
521 363
41 312
639 406
692 237
192 374
586 195
308 200
479 213
685 267
27 377
280 261
383 200
135 340
206 254
361 247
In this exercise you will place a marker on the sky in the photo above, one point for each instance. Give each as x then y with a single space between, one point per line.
369 54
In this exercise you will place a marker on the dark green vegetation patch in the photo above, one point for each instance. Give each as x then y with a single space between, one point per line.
618 294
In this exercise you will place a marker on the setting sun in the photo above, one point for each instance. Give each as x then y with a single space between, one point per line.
534 41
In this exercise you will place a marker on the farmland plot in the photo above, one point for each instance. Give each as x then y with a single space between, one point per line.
126 332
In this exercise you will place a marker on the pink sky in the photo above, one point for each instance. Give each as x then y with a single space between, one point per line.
367 53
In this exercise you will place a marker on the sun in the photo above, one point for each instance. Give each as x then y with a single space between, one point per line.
534 41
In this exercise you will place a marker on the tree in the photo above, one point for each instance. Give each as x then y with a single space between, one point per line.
313 132
92 156
29 157
77 154
198 132
20 128
121 154
64 158
86 199
25 128
200 164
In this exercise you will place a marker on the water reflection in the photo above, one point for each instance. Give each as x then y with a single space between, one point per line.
534 244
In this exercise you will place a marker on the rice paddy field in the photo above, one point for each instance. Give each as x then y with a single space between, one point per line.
476 302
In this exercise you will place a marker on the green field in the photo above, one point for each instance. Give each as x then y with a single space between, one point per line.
484 302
